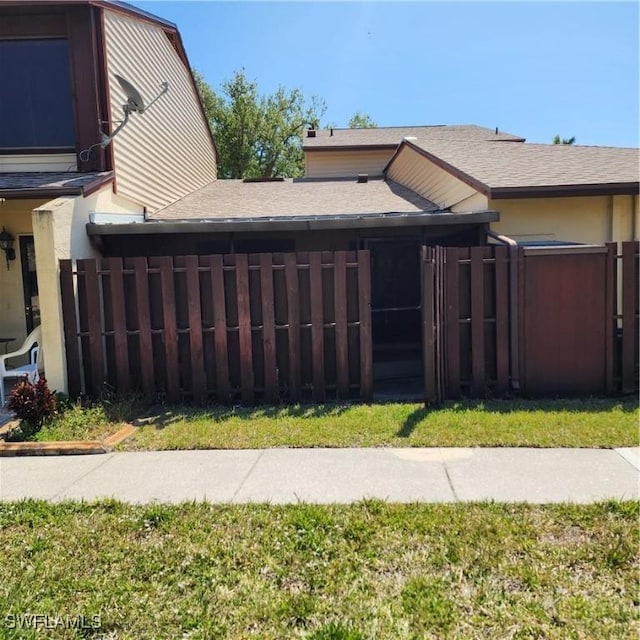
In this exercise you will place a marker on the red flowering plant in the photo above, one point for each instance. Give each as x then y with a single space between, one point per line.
32 404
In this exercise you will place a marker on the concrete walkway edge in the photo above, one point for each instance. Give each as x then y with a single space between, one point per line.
329 475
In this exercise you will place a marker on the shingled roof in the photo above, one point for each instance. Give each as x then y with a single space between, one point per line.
390 137
233 199
51 184
506 170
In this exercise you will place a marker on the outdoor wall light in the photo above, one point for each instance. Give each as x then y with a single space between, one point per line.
6 244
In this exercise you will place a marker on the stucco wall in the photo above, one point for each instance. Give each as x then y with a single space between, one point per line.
15 217
59 232
591 220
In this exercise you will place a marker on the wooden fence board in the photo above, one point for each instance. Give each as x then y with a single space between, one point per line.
170 328
119 322
72 350
629 292
293 320
199 386
268 328
145 344
477 323
317 326
341 332
364 310
223 386
428 326
247 390
502 320
452 323
94 323
610 320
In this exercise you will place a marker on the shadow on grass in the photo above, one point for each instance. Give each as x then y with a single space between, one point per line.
582 405
412 421
162 416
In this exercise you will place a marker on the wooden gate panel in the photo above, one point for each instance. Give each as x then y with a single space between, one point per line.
564 322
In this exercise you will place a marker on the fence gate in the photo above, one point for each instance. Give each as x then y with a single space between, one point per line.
281 326
537 321
465 310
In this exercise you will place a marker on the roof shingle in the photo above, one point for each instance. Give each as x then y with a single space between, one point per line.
235 199
500 166
392 136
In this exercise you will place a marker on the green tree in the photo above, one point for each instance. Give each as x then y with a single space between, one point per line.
361 121
559 140
258 136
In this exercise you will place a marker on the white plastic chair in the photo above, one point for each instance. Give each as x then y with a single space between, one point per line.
33 346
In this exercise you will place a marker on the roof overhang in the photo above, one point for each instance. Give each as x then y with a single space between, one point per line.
55 191
565 190
351 147
294 223
524 191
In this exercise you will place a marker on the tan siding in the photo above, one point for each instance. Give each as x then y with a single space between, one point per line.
342 164
417 173
475 202
584 219
39 162
165 153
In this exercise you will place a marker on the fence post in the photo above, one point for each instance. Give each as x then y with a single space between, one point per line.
610 328
428 327
364 313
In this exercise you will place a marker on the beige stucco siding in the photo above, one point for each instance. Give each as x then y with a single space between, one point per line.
416 172
166 152
58 228
342 164
15 217
59 231
592 219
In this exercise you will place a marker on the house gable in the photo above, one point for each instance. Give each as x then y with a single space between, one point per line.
165 152
413 170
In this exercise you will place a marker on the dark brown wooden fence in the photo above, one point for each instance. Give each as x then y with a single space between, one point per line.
235 327
291 326
470 322
623 304
576 321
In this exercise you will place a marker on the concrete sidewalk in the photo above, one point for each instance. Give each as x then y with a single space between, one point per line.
329 475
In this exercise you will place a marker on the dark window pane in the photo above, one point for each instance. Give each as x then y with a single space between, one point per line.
35 94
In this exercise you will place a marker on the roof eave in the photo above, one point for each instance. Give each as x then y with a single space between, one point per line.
56 192
566 190
350 147
449 168
294 223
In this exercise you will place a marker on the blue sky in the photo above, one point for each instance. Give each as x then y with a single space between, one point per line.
534 69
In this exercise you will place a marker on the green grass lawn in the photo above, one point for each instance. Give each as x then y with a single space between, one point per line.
598 422
369 570
549 423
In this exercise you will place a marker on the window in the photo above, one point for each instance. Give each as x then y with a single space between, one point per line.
36 108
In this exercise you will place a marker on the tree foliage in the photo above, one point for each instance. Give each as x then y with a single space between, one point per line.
361 121
558 140
258 136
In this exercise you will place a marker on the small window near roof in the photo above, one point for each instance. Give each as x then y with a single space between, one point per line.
36 107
